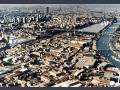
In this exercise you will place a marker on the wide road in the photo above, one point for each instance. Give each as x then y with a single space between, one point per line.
103 45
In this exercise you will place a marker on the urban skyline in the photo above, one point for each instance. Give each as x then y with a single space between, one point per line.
53 45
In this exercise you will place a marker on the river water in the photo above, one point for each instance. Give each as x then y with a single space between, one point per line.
103 45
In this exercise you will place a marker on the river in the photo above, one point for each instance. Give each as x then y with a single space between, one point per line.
103 45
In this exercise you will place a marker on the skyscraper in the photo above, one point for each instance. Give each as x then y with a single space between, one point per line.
47 10
24 19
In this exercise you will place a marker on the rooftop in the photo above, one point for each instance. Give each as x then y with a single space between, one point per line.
96 28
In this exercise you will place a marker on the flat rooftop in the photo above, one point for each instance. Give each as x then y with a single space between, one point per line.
85 61
96 28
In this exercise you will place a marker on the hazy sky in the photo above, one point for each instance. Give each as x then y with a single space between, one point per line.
89 5
63 5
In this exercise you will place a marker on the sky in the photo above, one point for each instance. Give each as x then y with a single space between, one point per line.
94 6
30 5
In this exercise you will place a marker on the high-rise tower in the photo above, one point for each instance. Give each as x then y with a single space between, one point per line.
47 10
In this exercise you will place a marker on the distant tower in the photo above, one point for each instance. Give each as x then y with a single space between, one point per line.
24 19
18 19
37 18
47 10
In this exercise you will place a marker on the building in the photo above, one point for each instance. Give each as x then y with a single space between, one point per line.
69 83
47 10
12 40
24 20
115 81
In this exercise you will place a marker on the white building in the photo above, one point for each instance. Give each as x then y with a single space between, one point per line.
115 81
12 40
